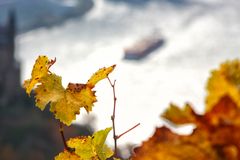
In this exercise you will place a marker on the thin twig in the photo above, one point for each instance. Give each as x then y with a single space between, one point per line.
127 131
115 137
62 135
113 116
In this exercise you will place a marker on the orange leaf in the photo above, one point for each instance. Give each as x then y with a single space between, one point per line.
216 136
177 115
224 81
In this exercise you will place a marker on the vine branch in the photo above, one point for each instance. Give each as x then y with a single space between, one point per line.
61 130
113 115
115 136
128 130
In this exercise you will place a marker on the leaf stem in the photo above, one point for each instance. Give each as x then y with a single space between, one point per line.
113 116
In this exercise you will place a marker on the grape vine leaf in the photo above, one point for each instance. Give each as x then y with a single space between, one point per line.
177 115
64 103
88 147
215 137
217 132
50 90
40 69
224 81
99 75
165 144
65 155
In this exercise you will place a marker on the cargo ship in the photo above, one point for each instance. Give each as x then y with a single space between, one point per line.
143 48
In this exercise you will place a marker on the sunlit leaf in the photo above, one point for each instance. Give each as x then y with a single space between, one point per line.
50 90
101 149
64 103
40 69
91 147
216 136
67 156
165 144
85 96
83 147
177 115
99 75
224 81
224 112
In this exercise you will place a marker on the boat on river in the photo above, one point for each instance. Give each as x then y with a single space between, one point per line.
143 47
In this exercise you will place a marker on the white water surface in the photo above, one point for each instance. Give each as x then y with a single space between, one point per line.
199 36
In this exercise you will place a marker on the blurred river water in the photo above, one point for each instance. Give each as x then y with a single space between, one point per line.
199 35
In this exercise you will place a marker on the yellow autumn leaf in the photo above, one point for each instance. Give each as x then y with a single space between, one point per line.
90 147
65 111
224 81
83 94
99 75
180 116
67 107
67 156
216 132
215 136
83 147
64 103
50 90
102 150
40 69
